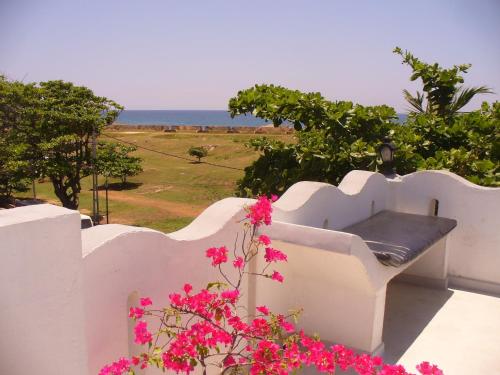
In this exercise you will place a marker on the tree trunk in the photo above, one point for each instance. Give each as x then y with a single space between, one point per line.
67 192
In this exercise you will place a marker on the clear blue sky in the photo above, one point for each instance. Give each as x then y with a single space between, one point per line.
197 54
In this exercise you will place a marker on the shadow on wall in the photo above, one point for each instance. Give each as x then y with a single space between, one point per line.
408 310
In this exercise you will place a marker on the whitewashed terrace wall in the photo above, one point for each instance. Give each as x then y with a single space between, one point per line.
474 246
65 292
42 323
119 260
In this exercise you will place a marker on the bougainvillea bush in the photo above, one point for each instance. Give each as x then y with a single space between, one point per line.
210 328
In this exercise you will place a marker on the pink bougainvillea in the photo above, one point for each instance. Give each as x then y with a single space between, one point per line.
218 255
273 255
207 327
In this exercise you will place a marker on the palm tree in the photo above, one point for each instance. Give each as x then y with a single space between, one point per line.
443 94
461 97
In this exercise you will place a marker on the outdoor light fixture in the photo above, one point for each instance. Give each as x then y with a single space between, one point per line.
386 152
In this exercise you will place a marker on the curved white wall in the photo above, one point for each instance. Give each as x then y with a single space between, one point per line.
65 292
119 260
360 195
41 287
474 245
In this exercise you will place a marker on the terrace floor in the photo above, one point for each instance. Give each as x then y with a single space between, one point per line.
455 329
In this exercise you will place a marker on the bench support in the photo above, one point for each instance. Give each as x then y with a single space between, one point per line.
429 270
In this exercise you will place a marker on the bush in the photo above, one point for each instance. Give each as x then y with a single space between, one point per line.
198 152
210 329
332 138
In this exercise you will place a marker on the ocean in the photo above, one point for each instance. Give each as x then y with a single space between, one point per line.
191 117
186 117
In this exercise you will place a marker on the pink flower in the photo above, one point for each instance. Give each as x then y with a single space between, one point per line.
188 288
274 255
277 276
211 324
284 324
175 299
239 263
231 295
116 368
263 309
425 368
142 361
260 212
142 335
218 255
229 361
274 197
136 312
264 240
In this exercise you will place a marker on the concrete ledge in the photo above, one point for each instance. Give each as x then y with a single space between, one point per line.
474 285
428 282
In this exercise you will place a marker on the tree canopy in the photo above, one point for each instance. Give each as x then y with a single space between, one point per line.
113 160
17 112
443 95
334 137
198 152
50 126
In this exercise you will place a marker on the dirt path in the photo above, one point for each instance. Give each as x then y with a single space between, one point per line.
174 208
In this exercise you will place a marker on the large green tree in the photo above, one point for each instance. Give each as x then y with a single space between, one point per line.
18 111
332 137
114 160
46 130
70 116
437 136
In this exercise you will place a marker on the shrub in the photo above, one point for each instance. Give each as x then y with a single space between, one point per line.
198 152
206 328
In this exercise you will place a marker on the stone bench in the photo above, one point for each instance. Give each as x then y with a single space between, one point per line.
340 277
397 238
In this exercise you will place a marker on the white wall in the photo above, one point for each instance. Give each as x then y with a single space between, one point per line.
65 292
360 195
120 260
41 309
474 245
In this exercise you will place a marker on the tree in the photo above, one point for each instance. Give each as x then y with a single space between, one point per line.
198 152
332 138
17 109
69 117
467 144
113 160
13 170
442 91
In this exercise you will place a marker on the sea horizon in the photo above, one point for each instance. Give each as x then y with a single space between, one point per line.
192 117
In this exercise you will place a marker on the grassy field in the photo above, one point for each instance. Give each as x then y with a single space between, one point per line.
170 192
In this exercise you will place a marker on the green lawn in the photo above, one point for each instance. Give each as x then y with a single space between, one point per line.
170 192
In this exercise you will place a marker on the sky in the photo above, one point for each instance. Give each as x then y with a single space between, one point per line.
198 54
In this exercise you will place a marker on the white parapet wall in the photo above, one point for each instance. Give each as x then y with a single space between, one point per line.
66 292
122 263
42 325
474 246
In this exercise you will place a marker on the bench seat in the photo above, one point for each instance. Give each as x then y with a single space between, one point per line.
397 238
